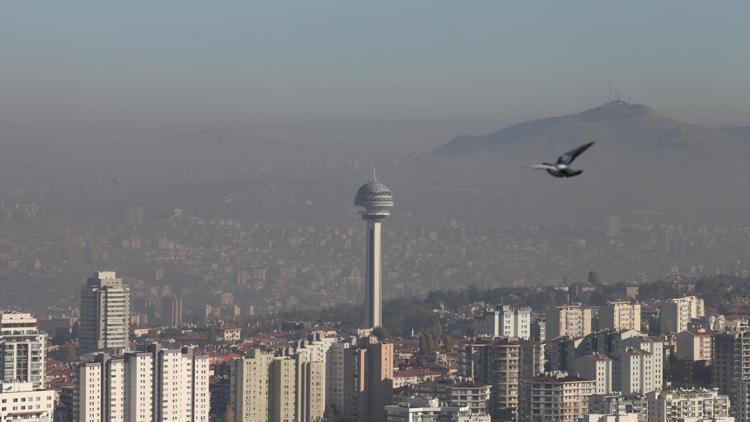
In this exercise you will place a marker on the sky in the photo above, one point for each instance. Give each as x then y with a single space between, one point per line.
138 68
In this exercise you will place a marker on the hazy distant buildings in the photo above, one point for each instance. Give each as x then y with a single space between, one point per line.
105 313
613 226
22 350
676 313
506 321
171 311
620 316
568 320
376 202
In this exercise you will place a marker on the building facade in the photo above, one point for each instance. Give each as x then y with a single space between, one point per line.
506 321
620 316
695 345
157 385
679 405
676 313
597 368
502 363
105 314
568 320
429 409
22 349
20 401
556 396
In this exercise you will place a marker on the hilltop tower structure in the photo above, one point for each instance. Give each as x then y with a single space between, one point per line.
376 202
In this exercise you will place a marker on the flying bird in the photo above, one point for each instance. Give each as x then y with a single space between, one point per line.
562 167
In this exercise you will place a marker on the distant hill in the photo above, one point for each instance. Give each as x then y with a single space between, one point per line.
742 132
617 123
641 160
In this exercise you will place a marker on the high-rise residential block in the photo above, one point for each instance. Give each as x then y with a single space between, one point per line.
568 320
157 385
368 381
22 349
555 396
639 365
731 362
250 387
695 345
506 321
105 313
676 313
501 363
597 368
620 316
283 388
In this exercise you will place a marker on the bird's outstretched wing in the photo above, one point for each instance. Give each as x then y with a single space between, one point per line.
569 156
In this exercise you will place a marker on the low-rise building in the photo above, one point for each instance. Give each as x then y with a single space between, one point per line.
20 402
679 405
459 394
430 409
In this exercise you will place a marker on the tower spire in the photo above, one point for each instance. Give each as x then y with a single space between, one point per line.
374 175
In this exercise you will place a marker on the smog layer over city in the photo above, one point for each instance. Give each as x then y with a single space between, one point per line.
250 183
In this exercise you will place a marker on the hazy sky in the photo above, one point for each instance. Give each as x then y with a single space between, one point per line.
92 67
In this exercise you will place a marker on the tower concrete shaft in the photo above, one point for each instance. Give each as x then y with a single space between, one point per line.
373 288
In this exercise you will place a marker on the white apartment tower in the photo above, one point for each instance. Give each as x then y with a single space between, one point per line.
158 385
506 321
22 349
105 311
249 388
568 320
597 368
556 396
677 313
376 202
639 366
620 316
694 345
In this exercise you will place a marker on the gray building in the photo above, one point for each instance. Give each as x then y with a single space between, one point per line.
105 309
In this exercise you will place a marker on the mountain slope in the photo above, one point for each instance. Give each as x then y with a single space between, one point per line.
641 160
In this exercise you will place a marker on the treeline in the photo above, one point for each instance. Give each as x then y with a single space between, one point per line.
403 316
